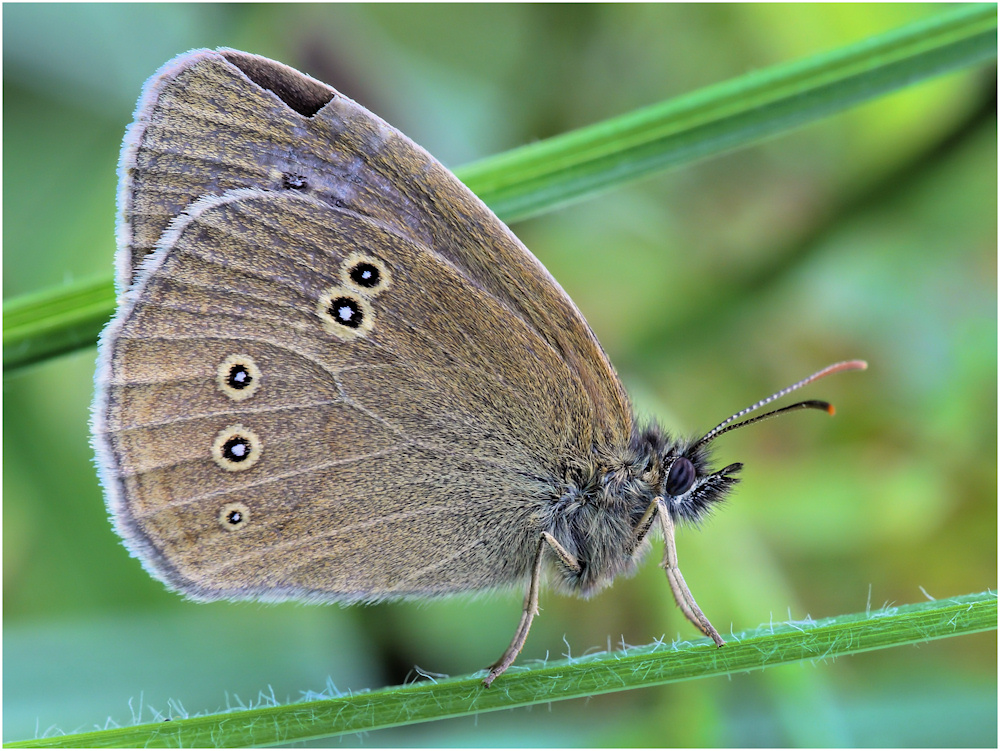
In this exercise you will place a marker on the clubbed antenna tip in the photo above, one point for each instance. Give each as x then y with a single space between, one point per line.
729 423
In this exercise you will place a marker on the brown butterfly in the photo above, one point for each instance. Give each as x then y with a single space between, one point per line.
335 375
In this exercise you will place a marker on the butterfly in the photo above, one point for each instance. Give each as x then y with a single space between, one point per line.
334 375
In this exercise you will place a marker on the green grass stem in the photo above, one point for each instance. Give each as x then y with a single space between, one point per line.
538 177
634 667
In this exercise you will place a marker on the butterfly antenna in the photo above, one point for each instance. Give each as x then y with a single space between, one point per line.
729 423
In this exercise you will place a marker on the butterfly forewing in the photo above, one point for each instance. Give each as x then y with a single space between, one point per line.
334 374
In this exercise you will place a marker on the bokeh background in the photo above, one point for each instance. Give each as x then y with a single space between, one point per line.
872 234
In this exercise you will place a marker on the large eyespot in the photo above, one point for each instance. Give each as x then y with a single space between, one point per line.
680 478
238 377
345 313
234 516
366 274
236 448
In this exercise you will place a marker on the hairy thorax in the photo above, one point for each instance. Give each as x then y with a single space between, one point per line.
596 518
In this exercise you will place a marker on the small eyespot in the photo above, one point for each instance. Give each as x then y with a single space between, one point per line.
238 377
680 478
365 273
345 313
236 448
292 181
234 516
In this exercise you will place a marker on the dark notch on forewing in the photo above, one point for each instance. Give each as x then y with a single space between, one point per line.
726 425
305 95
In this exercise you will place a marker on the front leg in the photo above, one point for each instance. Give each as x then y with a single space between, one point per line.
685 600
530 604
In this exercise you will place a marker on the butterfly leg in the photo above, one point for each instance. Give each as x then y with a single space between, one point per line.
530 605
568 559
683 596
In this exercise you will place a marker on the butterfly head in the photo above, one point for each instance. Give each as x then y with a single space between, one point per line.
689 486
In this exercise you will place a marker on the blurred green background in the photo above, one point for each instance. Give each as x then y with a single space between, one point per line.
872 234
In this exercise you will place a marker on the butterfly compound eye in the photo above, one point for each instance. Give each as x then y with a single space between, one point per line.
680 478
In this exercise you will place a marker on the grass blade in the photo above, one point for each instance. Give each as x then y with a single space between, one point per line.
52 322
566 679
531 179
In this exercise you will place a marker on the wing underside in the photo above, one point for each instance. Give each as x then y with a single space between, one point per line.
416 456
